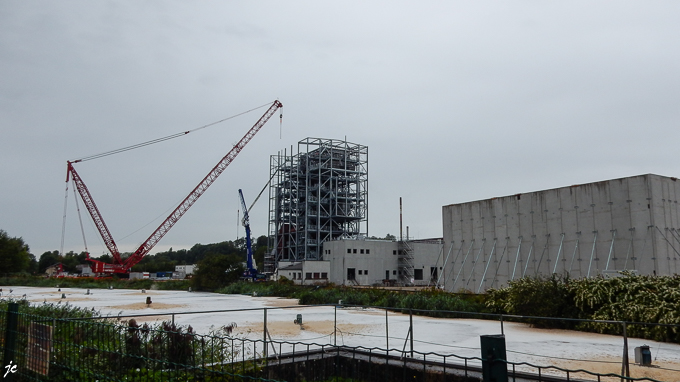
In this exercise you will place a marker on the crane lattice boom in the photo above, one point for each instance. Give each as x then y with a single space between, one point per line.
120 266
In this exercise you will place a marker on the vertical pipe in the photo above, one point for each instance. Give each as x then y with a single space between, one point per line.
401 229
387 333
264 336
410 317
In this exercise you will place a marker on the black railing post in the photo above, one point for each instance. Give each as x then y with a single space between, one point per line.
9 362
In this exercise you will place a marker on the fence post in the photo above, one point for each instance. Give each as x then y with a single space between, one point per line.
494 360
410 315
387 333
625 365
264 337
11 338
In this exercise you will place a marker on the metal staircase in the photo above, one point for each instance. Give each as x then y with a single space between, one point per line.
405 263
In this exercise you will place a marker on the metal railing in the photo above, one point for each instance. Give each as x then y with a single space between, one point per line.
117 348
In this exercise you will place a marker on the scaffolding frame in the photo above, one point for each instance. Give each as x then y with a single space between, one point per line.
318 194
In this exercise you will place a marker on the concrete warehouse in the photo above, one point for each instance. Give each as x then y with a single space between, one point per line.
584 230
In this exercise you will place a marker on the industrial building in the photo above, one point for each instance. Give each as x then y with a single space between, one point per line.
319 217
318 222
586 230
318 194
362 261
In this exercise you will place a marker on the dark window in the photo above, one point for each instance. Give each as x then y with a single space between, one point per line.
294 274
366 272
394 252
394 272
349 250
418 274
316 275
324 275
354 250
350 274
308 275
360 271
368 251
362 250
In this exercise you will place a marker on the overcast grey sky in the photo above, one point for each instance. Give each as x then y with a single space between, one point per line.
456 101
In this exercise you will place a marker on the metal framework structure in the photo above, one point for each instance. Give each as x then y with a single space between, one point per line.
318 194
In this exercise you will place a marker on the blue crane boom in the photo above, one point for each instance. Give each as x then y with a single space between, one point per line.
250 272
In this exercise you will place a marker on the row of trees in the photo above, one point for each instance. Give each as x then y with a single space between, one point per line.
15 256
212 259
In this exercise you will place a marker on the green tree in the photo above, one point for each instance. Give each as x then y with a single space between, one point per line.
216 271
259 251
14 254
48 258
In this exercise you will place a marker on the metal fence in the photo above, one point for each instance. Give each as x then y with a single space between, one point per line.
38 348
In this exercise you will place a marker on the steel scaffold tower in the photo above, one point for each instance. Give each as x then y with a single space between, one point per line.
316 195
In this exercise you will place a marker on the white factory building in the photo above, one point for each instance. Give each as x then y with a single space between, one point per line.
371 262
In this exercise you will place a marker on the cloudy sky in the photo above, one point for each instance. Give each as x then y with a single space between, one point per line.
456 100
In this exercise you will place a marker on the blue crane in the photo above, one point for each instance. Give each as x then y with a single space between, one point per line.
251 271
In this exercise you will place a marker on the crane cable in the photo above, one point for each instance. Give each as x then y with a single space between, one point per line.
157 140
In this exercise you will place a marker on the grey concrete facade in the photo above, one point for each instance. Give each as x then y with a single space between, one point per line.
375 262
583 230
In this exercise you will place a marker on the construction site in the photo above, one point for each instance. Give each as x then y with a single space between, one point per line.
318 226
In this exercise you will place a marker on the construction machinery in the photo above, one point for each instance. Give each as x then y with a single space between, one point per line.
251 272
121 265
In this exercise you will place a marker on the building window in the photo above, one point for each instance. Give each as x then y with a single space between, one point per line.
293 275
308 275
394 252
354 250
366 272
316 275
418 274
324 275
394 272
349 250
360 271
368 251
299 275
362 250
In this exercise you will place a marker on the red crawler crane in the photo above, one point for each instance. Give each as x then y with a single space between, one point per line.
123 266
